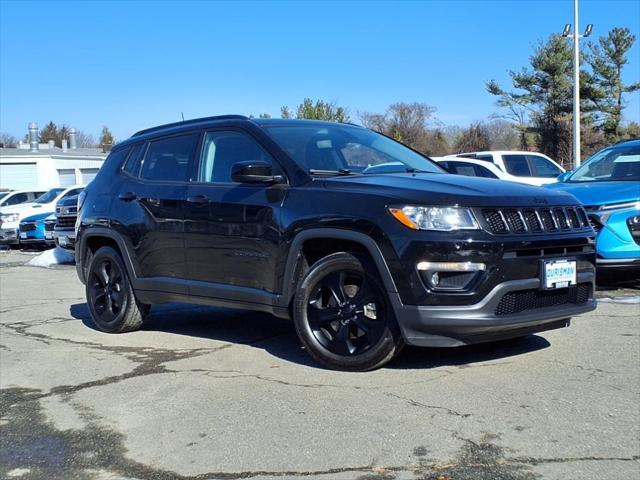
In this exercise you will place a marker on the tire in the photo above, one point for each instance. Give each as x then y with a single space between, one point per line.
342 314
112 303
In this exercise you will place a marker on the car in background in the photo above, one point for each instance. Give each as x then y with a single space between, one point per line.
474 168
16 197
64 230
11 216
608 184
49 225
531 168
32 231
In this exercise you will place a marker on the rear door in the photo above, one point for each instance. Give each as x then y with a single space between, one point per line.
149 207
232 230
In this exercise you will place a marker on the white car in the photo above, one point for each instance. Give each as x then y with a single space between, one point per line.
14 197
529 167
11 216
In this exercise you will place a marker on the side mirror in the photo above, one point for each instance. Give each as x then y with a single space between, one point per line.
254 172
563 177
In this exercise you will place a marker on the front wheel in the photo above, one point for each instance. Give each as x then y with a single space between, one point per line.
111 300
342 314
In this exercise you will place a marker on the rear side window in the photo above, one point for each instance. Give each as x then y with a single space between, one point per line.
517 165
543 167
485 172
486 158
170 159
132 167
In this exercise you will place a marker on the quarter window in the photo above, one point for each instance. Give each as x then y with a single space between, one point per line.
170 159
223 149
132 167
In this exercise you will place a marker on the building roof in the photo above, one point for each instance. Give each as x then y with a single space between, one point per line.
78 153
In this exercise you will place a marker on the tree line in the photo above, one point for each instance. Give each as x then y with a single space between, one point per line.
59 132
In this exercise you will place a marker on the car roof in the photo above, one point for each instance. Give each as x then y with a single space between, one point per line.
634 142
502 152
220 120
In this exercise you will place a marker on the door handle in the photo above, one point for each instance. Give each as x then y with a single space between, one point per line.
127 197
198 200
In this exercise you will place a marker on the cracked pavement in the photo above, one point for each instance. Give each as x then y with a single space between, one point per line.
203 393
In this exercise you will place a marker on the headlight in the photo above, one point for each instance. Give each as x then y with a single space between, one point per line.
443 219
81 198
10 217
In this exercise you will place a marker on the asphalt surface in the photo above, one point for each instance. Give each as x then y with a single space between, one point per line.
203 393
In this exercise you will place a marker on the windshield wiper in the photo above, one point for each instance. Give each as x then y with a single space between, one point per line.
340 171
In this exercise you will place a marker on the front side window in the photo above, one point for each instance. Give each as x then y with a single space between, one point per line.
16 199
611 164
543 167
464 168
223 149
347 149
170 159
485 172
517 165
49 196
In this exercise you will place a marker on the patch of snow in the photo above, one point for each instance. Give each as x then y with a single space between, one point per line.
631 300
54 256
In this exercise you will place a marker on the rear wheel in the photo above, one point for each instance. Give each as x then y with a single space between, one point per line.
342 314
111 300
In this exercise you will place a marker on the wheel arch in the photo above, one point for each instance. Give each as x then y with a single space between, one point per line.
91 240
296 256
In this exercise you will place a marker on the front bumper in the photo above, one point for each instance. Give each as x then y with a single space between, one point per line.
8 236
449 326
65 238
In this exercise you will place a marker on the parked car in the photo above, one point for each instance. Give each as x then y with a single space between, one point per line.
64 231
32 230
49 225
364 243
11 216
528 167
15 197
474 168
608 184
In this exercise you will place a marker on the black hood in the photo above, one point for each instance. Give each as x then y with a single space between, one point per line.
448 189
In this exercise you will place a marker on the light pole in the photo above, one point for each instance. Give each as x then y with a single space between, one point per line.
576 78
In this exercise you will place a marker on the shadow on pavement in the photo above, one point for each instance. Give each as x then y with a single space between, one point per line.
278 337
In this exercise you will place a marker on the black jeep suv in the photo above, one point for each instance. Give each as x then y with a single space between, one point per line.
364 243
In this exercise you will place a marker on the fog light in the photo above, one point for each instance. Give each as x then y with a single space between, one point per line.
450 275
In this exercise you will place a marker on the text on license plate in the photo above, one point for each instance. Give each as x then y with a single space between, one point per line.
559 273
23 234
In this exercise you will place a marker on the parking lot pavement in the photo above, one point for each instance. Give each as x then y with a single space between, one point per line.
204 393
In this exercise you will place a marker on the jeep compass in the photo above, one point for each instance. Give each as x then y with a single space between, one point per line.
365 244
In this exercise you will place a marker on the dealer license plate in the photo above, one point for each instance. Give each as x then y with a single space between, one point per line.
558 273
23 234
48 235
63 241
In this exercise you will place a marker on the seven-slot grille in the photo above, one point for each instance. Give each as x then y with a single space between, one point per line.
66 222
534 220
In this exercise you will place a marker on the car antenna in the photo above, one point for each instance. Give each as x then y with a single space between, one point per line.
182 113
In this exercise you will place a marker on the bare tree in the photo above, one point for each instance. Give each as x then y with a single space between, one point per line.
503 135
85 140
473 139
8 140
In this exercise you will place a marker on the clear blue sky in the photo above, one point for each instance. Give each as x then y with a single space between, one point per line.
131 65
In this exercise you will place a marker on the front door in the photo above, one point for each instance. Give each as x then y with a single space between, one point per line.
232 230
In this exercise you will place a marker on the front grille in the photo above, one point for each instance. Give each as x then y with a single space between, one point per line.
27 227
524 300
49 226
534 220
66 222
594 221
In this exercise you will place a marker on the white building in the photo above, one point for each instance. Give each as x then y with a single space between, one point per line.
43 166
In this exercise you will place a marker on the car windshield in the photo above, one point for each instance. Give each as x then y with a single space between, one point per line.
610 164
3 194
343 149
48 196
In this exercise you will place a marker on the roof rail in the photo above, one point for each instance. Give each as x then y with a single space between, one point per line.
189 122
